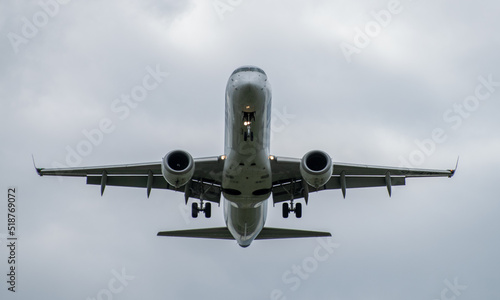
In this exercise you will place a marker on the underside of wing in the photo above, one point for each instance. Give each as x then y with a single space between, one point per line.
204 184
367 170
289 184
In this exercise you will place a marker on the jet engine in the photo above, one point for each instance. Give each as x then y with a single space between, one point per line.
177 167
316 168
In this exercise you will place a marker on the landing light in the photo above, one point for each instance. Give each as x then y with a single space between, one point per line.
246 123
271 157
222 157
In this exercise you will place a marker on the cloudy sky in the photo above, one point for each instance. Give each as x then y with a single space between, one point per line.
413 83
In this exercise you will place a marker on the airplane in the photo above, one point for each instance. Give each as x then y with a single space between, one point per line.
246 175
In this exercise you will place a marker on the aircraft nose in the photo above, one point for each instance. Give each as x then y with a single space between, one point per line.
244 80
248 83
249 87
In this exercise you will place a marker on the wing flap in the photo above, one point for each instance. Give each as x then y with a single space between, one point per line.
197 189
285 192
361 182
130 181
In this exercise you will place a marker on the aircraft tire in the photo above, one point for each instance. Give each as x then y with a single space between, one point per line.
298 210
208 210
194 210
286 210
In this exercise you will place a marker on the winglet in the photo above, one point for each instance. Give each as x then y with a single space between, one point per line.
38 170
454 170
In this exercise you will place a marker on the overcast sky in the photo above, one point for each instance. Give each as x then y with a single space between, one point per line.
413 83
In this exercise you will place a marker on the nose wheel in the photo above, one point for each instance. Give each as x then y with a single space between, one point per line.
248 134
297 209
196 208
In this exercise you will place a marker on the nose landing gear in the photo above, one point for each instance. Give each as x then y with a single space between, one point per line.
248 134
248 117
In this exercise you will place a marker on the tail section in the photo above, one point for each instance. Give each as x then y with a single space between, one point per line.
223 233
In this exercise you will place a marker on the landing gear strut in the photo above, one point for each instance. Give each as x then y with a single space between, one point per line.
297 209
195 209
248 117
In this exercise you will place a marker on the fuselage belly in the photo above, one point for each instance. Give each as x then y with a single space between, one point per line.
247 176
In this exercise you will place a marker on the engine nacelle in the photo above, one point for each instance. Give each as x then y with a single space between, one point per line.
177 167
316 168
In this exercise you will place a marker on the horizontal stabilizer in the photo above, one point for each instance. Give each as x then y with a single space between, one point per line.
224 234
281 233
208 233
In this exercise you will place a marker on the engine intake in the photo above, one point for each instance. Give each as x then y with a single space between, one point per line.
177 167
316 168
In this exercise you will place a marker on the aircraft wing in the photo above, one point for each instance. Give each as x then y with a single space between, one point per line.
206 181
288 183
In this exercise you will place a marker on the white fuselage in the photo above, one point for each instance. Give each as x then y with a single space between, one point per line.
246 179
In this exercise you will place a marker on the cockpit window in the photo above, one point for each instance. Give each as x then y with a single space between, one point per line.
248 68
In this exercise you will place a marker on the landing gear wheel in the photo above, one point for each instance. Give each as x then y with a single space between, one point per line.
286 210
245 136
298 210
208 210
251 136
194 210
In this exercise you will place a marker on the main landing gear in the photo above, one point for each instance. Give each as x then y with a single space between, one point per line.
297 209
195 209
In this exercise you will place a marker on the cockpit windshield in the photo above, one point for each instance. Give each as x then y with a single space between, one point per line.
248 68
